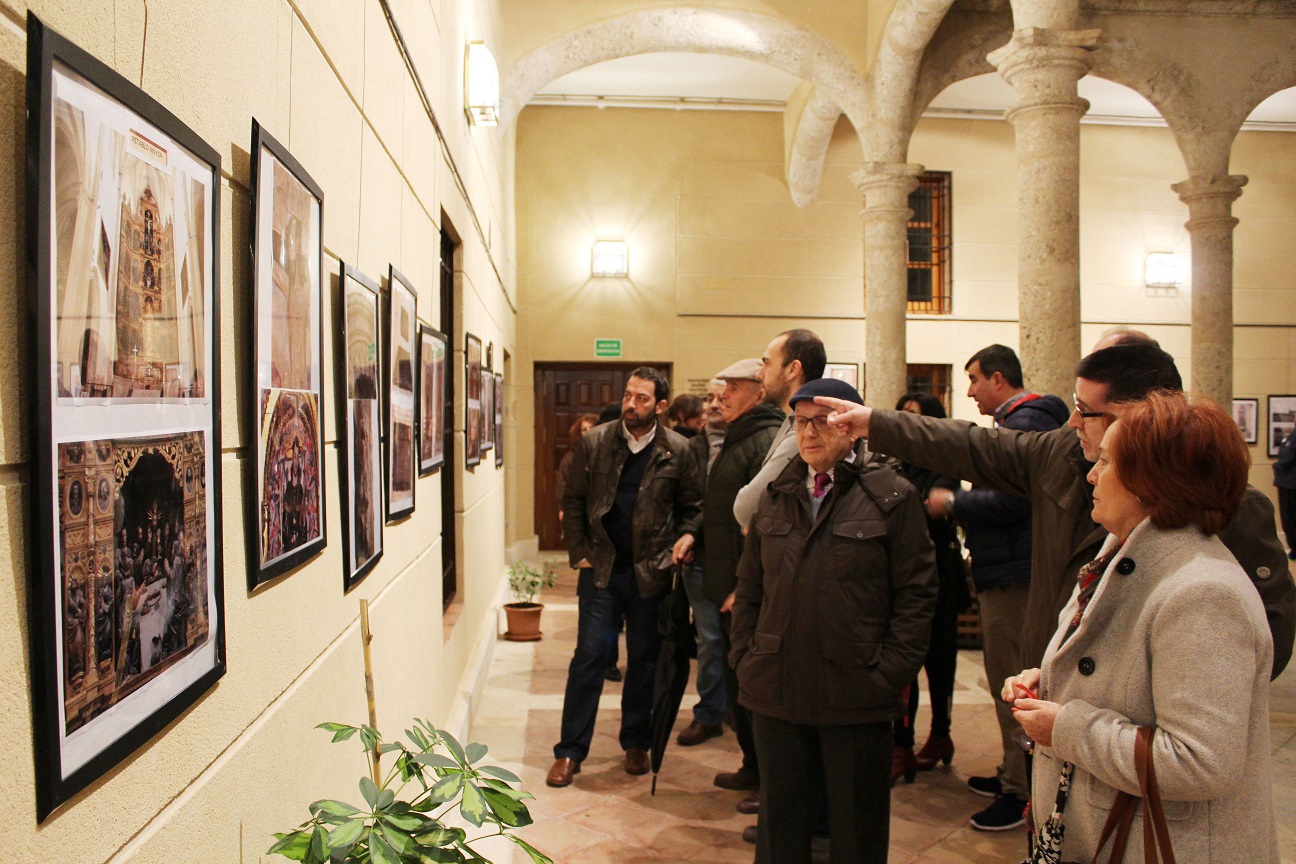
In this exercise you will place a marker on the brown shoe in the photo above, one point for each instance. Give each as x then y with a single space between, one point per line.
902 764
695 733
938 748
636 761
562 772
750 805
739 781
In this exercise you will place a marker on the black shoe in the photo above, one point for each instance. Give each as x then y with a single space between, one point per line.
741 780
987 787
611 673
1007 812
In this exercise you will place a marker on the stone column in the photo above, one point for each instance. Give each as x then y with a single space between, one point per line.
1210 226
886 187
1043 67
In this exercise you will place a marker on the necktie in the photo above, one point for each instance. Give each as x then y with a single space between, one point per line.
822 481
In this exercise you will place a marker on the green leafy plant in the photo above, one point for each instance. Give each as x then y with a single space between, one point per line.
388 830
525 581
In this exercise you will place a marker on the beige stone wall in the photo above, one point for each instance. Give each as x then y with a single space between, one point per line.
325 77
721 260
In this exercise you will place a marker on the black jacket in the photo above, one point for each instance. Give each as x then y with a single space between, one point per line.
669 503
747 440
996 525
832 619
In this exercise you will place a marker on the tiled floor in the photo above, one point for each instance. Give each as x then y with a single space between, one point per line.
609 816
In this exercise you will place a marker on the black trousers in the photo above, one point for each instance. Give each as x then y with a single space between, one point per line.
1287 512
798 762
742 718
940 663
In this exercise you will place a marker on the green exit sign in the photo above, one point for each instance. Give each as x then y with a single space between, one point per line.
607 347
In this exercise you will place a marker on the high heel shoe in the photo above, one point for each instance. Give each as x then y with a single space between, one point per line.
902 764
938 748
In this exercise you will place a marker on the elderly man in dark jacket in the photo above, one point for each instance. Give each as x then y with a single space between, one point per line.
631 508
831 621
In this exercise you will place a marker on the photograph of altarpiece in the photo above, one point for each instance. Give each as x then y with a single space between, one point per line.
123 216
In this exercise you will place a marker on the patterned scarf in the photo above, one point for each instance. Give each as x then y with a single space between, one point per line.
1090 575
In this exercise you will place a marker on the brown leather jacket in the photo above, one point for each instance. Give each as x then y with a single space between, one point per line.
831 620
669 503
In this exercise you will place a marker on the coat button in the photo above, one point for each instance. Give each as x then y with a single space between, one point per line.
1125 566
1087 664
859 535
1263 572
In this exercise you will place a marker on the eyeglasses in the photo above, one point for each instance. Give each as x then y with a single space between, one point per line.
1085 415
820 423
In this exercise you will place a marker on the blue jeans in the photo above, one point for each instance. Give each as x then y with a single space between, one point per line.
712 701
596 630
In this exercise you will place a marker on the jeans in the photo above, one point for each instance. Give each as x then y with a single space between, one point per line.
596 629
712 701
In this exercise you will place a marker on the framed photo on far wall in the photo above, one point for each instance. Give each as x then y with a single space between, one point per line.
402 347
127 615
499 420
360 437
1282 419
1246 413
286 488
487 410
848 372
433 351
472 400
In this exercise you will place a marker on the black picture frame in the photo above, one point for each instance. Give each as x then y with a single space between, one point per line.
152 467
285 480
360 424
487 410
400 375
499 419
1246 413
434 359
1282 420
472 400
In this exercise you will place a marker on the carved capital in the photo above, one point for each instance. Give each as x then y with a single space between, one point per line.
886 187
1210 199
1044 66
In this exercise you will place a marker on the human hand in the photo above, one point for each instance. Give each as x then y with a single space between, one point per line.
1037 718
940 502
727 605
683 550
847 416
1027 680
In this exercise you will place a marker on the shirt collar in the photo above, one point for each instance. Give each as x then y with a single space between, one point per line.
636 445
1002 411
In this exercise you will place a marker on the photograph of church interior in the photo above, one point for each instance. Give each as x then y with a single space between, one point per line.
572 190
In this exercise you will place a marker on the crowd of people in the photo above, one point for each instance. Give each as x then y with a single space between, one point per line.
1126 576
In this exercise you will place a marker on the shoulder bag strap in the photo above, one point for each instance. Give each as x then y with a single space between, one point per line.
1119 819
1155 832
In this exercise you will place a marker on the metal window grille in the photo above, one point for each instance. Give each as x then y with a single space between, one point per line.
930 273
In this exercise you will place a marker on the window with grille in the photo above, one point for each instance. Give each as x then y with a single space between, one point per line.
931 378
930 274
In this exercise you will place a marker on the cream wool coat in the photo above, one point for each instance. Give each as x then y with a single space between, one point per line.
1174 635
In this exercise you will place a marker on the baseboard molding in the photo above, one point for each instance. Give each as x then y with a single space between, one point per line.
463 711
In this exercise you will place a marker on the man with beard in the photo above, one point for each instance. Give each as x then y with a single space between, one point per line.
631 509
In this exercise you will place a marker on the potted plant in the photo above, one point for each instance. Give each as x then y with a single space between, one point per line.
390 830
525 582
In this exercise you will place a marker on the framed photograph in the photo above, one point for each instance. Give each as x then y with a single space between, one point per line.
473 400
848 372
360 435
286 478
1282 419
499 420
126 594
487 410
402 346
433 351
1246 413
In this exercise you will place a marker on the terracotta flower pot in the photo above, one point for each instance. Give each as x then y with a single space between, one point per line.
523 622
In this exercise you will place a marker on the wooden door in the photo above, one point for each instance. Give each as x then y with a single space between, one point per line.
564 391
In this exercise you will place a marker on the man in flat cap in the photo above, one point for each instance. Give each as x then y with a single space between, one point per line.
831 619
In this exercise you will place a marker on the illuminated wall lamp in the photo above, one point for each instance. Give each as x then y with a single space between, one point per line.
610 258
481 85
1162 270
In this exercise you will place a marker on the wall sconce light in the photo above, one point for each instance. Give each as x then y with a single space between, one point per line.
610 258
1162 270
481 85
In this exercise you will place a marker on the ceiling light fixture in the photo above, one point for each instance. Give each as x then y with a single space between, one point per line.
610 258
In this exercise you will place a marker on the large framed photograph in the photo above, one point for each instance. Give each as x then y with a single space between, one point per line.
1282 419
286 477
402 346
433 353
487 410
126 593
848 372
499 419
1246 413
360 443
473 400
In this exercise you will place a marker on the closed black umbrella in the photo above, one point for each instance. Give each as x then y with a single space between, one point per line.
671 674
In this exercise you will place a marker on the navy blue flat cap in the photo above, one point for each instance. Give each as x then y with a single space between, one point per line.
833 387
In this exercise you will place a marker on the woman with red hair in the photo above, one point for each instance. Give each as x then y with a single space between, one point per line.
1163 628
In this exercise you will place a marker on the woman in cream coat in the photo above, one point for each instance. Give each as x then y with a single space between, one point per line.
1164 628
